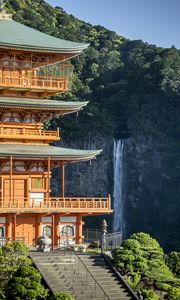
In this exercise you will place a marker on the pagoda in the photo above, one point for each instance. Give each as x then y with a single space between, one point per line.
34 66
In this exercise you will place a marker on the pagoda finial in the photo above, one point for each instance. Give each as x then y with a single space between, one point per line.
3 13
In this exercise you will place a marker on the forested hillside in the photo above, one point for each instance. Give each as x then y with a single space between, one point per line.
134 92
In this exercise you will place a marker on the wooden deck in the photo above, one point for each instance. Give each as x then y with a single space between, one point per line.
23 131
61 84
67 204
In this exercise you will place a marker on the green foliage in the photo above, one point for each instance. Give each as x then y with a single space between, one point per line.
18 278
173 261
12 256
142 261
149 295
134 279
174 293
61 296
26 284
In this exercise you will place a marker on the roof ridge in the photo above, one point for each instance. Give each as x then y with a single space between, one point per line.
19 36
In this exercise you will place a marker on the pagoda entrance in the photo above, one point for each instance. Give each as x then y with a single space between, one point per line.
25 229
16 190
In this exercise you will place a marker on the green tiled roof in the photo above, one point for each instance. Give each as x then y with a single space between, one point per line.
19 36
41 104
56 153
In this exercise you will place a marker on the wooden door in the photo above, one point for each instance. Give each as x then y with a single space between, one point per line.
18 190
25 229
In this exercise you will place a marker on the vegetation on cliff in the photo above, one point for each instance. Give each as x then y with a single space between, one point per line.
143 263
134 91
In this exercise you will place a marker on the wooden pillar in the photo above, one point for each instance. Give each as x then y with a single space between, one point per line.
53 232
79 234
14 227
63 180
10 186
38 229
49 175
8 227
57 230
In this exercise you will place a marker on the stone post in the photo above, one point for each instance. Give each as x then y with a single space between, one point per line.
103 238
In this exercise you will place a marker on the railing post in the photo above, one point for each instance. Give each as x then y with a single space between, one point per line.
109 202
58 132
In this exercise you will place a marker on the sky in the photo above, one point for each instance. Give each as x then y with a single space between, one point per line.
153 21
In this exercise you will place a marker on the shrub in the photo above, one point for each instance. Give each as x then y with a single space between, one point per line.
26 284
61 296
173 261
149 295
174 293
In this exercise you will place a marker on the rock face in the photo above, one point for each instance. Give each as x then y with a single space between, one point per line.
151 190
88 179
150 185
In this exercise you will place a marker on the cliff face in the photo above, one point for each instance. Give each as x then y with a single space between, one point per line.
88 179
150 190
147 185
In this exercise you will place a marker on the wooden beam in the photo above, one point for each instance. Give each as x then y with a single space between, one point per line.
53 232
79 224
49 174
57 229
8 227
38 229
63 180
10 186
14 227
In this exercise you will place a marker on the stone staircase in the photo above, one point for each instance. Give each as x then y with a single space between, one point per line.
85 277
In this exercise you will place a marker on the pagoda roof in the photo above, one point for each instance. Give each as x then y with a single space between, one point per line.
22 151
14 35
41 104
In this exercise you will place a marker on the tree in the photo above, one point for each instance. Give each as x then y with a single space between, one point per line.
18 278
26 284
12 256
142 261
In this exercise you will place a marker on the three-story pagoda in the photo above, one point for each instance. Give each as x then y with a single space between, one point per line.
34 66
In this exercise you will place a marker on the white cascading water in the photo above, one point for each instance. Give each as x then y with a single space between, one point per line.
118 182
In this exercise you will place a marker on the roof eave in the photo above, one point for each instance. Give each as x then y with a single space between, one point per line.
73 51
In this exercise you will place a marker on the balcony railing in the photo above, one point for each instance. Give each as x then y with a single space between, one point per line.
20 131
60 84
67 204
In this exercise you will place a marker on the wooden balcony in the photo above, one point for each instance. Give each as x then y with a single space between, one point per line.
35 84
66 205
25 131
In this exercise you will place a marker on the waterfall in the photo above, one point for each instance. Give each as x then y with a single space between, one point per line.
118 178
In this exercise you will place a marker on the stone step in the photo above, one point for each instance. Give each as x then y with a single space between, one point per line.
66 273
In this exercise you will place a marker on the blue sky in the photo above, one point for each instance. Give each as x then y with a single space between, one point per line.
153 21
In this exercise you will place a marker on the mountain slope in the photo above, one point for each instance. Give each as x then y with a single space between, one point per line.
134 92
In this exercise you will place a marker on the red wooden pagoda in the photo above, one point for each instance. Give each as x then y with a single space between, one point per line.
33 66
